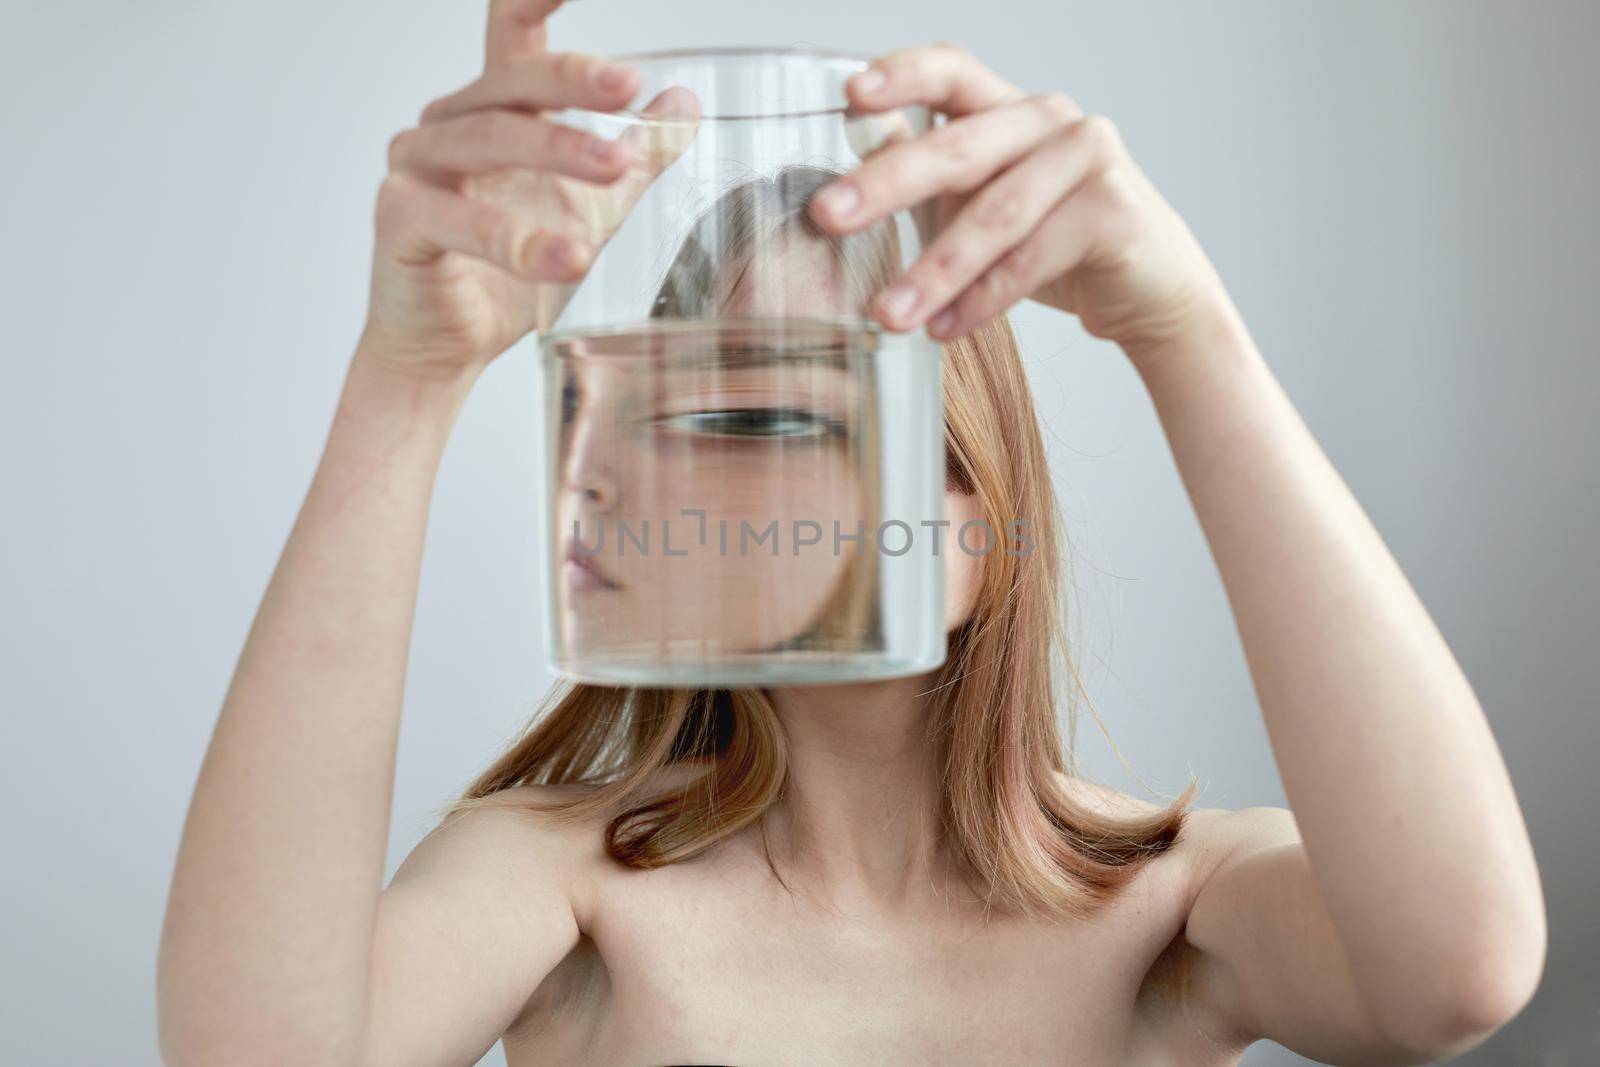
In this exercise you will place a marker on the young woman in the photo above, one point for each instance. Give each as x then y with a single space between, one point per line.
898 872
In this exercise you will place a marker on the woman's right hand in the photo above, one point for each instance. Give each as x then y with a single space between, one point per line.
492 212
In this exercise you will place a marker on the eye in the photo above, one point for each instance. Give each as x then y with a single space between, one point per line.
756 422
569 398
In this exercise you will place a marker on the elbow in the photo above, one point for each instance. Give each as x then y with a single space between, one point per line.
1494 1001
1470 999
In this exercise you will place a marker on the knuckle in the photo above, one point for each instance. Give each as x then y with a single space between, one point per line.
1101 134
997 284
442 107
998 209
956 143
1014 270
921 62
393 207
571 66
1115 221
400 146
895 65
484 125
563 140
946 263
1115 188
1012 277
1057 106
525 247
500 125
500 238
562 65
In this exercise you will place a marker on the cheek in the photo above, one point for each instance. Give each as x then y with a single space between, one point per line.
962 572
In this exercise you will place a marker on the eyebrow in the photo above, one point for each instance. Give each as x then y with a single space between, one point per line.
758 356
751 357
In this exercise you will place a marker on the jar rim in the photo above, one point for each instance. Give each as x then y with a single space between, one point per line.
838 57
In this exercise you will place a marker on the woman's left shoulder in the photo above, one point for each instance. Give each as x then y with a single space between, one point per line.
1208 834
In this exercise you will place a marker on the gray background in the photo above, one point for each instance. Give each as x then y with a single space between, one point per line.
1396 193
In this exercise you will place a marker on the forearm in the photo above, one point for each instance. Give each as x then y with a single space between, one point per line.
1400 792
269 924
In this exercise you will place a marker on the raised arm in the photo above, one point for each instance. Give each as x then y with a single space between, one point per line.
1399 911
280 945
1397 915
276 949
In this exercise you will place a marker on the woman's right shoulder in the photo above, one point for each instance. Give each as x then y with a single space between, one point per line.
510 841
513 833
481 912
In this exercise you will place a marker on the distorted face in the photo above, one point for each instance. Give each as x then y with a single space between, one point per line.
680 449
805 280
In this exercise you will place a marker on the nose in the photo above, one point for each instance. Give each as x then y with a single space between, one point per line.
599 491
589 468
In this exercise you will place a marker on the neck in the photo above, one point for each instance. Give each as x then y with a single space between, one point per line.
860 822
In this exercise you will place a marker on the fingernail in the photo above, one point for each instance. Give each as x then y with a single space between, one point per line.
900 300
942 322
839 199
600 148
869 81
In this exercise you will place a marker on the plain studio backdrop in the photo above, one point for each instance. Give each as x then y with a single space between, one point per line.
1398 196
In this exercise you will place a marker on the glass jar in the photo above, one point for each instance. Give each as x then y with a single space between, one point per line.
744 472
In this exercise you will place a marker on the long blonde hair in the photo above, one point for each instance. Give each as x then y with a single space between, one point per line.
1006 810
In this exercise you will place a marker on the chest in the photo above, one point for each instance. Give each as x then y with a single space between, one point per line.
688 965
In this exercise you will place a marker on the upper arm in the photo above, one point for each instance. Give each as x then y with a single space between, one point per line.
1271 964
472 922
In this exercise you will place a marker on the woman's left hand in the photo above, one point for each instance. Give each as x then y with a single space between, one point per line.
1032 198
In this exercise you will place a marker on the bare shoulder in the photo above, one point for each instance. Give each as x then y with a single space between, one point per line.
1183 988
1208 827
508 837
474 921
1209 835
1219 834
515 839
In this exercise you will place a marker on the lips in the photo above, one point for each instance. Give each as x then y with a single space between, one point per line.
581 572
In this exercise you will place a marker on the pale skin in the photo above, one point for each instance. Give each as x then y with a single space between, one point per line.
1395 916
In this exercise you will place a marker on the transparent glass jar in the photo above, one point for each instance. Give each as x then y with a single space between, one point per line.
744 473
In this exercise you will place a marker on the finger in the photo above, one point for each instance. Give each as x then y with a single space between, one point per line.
497 139
516 30
655 145
872 133
652 147
943 77
551 80
955 157
1063 240
419 223
997 219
